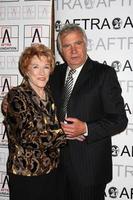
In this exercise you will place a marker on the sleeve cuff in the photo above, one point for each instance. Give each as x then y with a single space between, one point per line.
86 133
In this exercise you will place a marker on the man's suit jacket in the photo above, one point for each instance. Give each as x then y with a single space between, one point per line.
96 99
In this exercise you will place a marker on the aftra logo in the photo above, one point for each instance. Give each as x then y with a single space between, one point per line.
3 136
122 193
116 65
9 36
58 25
4 190
117 23
12 62
115 150
102 23
113 192
89 4
6 37
36 34
7 81
126 151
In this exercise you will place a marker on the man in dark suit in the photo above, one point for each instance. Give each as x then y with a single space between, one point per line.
95 112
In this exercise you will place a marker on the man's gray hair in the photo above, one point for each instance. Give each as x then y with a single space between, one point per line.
68 28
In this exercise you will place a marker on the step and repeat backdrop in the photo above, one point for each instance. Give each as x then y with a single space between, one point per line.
22 22
109 28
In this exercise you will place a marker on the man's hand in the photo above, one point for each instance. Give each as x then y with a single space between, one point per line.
80 138
73 128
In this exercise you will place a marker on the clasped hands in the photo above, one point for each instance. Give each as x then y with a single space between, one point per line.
74 128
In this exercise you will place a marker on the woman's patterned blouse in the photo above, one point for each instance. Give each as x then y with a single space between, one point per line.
33 131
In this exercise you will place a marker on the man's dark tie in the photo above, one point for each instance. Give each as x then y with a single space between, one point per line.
67 92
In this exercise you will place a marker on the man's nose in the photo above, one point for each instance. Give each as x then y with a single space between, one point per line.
73 48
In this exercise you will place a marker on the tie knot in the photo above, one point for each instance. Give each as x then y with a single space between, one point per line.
71 72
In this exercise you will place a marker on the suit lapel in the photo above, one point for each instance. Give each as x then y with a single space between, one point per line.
84 75
62 77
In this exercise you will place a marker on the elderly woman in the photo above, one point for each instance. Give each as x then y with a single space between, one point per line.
33 131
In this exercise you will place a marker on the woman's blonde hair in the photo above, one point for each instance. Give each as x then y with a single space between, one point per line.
38 50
